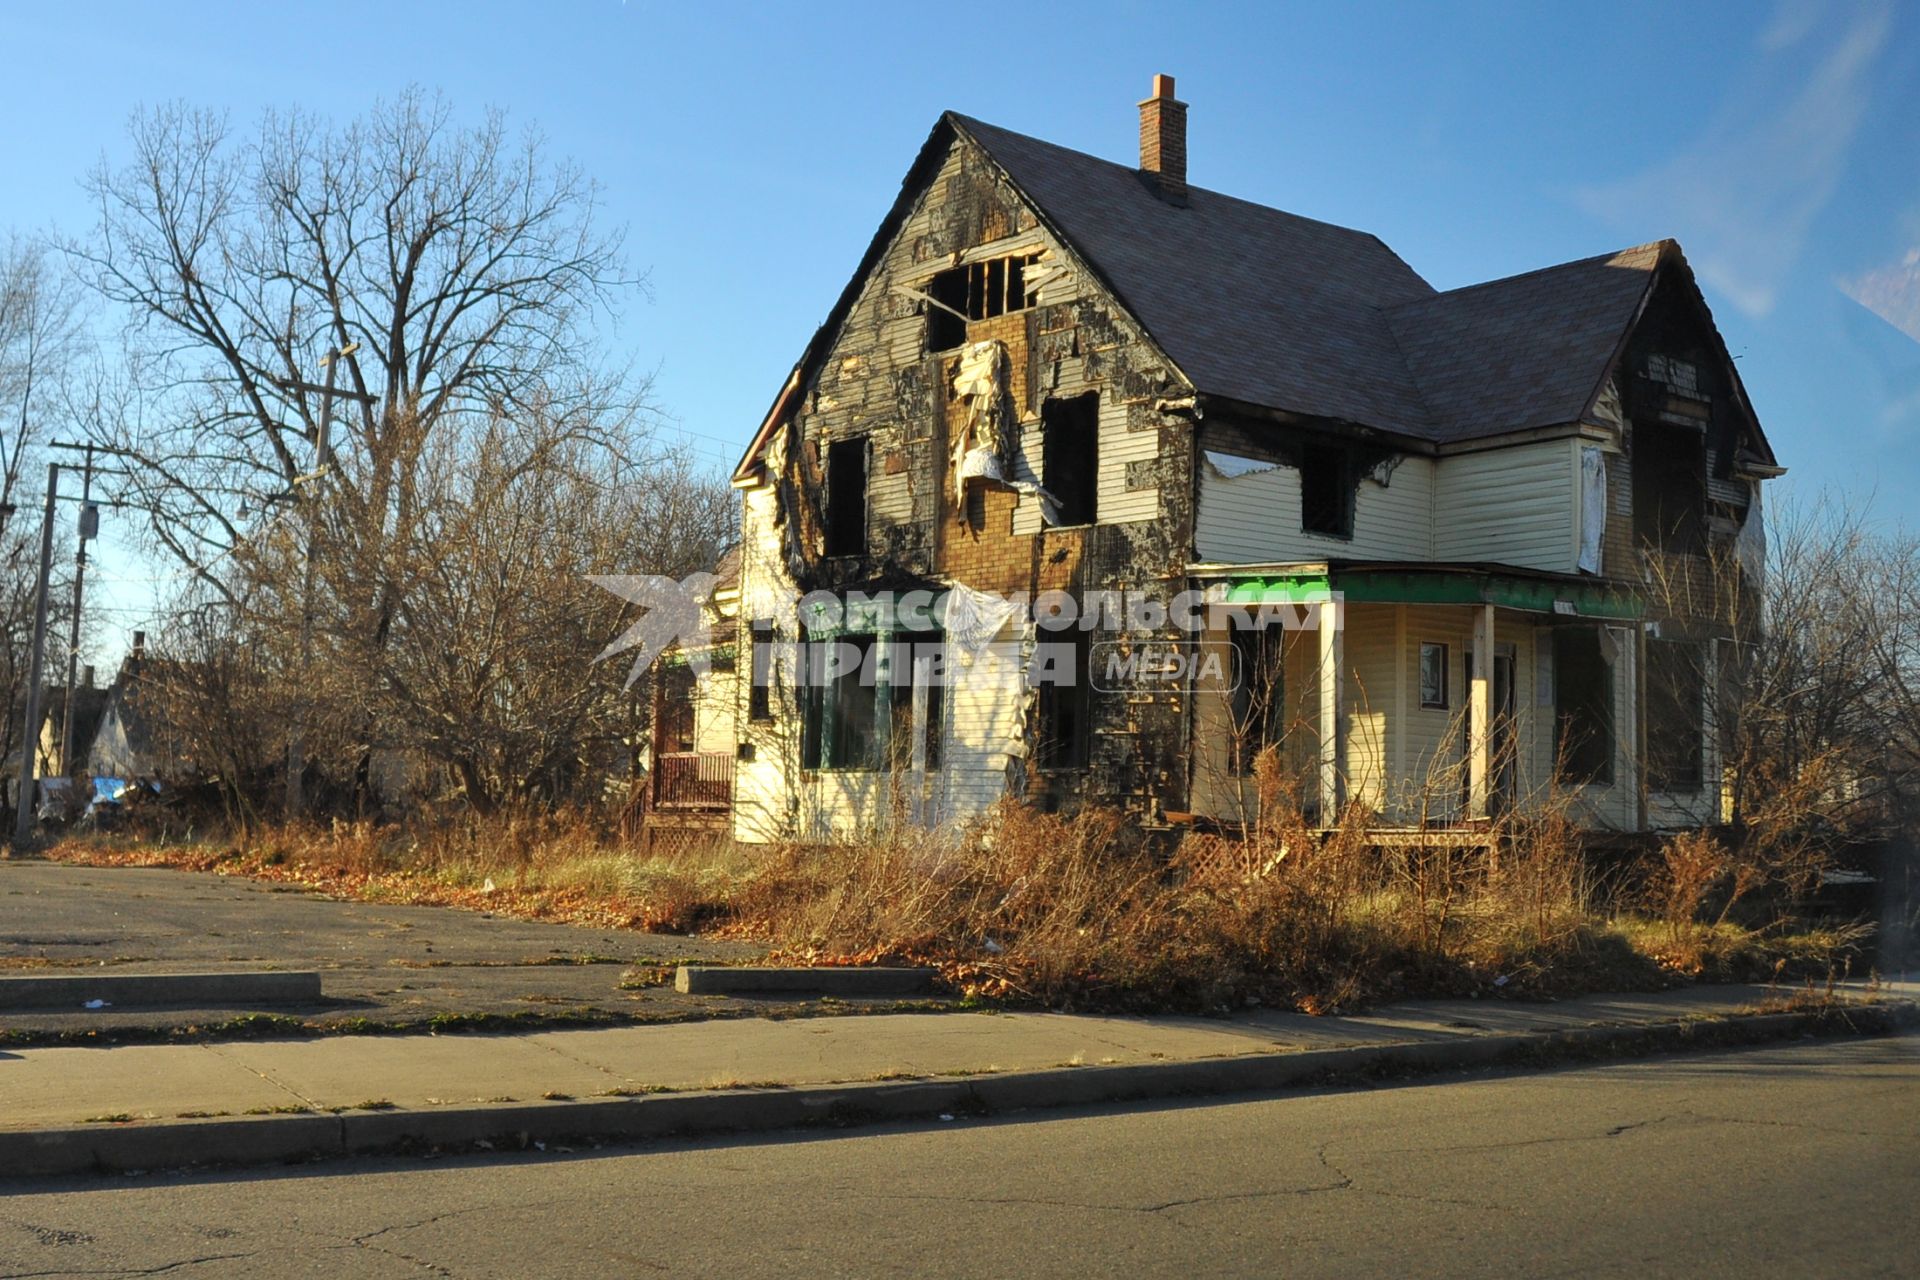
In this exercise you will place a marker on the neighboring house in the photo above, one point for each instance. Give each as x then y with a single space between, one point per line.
692 743
133 742
1053 373
54 759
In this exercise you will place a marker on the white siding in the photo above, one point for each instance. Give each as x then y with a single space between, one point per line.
1255 518
1509 506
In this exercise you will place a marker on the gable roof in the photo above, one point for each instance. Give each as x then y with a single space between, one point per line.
1527 351
1251 303
1277 312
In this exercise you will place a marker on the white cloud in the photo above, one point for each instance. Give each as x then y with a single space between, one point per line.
1744 194
1891 292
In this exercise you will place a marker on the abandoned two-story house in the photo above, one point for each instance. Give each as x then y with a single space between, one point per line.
1057 378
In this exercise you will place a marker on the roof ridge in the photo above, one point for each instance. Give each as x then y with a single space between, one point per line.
971 122
1661 244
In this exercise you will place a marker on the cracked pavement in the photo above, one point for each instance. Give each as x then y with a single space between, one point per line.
1802 1160
386 963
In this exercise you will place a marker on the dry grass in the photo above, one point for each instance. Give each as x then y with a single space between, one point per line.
1079 912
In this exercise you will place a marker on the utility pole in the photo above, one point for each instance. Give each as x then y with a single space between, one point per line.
30 732
89 528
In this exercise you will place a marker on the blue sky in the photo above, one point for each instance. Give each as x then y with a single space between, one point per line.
752 149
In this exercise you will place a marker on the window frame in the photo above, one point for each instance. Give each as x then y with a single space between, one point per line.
1684 771
1075 420
1445 650
1076 700
839 527
1313 457
1602 771
1258 717
824 718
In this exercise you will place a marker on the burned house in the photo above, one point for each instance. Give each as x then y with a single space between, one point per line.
1419 521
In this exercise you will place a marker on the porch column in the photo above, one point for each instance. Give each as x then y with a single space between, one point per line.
1480 713
1332 660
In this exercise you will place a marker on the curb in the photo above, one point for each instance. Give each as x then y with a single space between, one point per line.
285 1139
833 980
60 991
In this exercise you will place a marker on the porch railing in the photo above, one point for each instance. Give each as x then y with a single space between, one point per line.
693 780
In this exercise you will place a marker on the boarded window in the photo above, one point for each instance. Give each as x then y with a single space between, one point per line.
1258 704
1433 677
1676 684
1583 706
847 497
840 726
1063 683
1326 491
759 694
1070 465
975 291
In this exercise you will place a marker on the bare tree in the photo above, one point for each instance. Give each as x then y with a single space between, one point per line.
40 338
461 277
466 265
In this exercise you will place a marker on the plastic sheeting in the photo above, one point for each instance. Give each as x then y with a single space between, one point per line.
1593 506
984 448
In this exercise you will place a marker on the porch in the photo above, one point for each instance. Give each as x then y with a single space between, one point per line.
1439 696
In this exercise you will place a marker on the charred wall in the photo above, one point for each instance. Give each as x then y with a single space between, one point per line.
882 381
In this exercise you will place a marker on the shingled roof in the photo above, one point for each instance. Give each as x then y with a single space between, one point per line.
1271 310
1264 307
1251 303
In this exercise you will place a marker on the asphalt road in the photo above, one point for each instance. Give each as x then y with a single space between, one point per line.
1803 1161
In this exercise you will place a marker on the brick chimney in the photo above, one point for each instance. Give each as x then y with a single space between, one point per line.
1163 140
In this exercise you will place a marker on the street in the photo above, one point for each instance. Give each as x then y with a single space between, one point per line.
1802 1160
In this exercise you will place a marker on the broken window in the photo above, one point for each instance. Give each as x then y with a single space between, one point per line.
975 291
1433 677
1583 706
919 661
1326 490
847 497
1070 456
1063 679
759 694
1258 703
1676 685
840 726
1682 376
1670 487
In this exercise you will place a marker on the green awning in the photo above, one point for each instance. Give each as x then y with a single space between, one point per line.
1450 586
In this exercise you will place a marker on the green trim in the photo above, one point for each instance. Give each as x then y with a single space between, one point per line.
1292 588
1446 586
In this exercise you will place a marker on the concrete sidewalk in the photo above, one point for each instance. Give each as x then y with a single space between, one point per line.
64 1109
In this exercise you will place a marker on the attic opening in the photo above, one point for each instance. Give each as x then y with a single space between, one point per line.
1327 482
1070 456
847 497
976 291
1669 467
